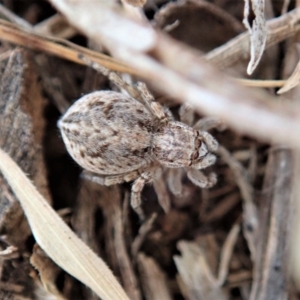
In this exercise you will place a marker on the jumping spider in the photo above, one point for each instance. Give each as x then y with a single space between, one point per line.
123 138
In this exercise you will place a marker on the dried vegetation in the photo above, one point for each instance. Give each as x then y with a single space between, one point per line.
234 241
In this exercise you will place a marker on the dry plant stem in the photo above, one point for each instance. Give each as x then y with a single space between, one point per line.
9 253
250 216
105 195
55 46
216 95
196 273
162 194
154 280
54 89
285 6
226 253
10 16
235 279
11 287
271 271
48 271
113 77
261 83
58 47
252 168
57 239
143 231
42 28
221 209
292 81
295 245
181 74
55 26
237 49
86 206
129 279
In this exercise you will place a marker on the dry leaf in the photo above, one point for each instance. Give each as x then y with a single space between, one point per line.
57 239
258 31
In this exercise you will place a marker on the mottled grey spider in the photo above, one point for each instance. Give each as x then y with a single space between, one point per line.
122 138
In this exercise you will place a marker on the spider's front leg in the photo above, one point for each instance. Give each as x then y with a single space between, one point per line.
210 142
201 180
208 160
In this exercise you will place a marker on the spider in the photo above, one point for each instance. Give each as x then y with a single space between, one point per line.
121 138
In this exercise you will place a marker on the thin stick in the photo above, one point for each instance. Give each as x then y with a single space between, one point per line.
58 47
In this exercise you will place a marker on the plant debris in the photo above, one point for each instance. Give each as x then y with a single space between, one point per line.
65 237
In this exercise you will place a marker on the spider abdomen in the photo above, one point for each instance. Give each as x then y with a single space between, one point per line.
108 133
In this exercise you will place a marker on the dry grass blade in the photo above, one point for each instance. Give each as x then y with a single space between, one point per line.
250 215
55 26
128 276
111 24
217 96
292 81
186 77
155 281
261 83
272 254
296 222
55 46
58 46
57 239
226 253
196 273
143 231
258 31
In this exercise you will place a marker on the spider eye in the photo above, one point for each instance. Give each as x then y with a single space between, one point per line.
195 155
198 144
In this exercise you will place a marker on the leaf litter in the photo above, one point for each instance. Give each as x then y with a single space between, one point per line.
227 242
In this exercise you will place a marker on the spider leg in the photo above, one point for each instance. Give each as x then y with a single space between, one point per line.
109 179
199 179
174 181
136 191
113 77
209 140
208 123
186 114
162 192
208 160
156 109
140 92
